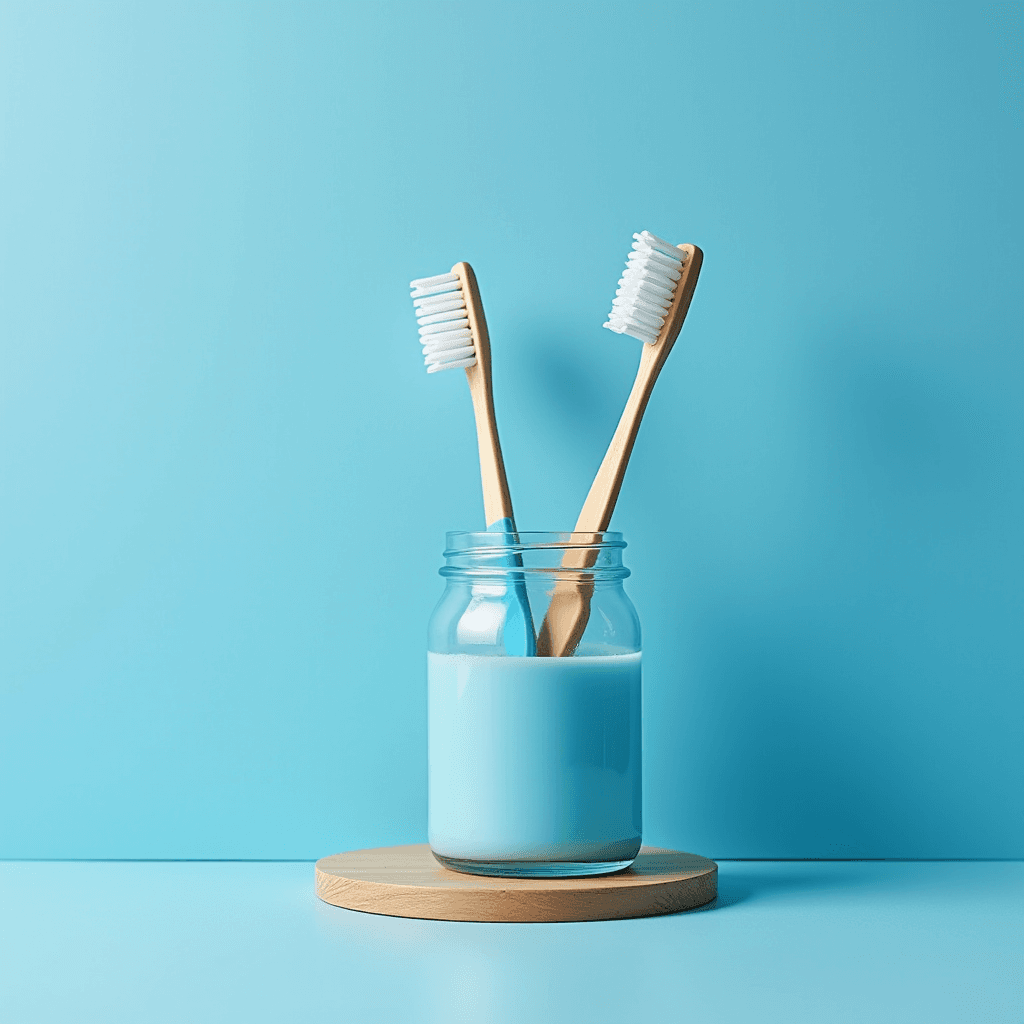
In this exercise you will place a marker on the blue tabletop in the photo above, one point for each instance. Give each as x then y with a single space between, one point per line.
785 941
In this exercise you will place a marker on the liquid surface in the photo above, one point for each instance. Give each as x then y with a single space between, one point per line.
534 758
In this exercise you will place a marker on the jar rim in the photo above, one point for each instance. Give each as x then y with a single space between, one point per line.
461 541
534 554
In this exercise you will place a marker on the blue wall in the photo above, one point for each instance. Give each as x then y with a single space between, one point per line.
226 478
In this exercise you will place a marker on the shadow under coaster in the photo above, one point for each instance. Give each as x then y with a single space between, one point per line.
406 881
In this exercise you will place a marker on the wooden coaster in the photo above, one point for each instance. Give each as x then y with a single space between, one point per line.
406 881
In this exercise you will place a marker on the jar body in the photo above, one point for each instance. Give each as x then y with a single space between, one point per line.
534 762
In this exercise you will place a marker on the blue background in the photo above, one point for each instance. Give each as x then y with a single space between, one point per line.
226 477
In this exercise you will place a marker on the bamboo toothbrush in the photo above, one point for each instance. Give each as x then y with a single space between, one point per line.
651 304
453 333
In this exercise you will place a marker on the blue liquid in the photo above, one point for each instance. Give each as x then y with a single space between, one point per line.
534 763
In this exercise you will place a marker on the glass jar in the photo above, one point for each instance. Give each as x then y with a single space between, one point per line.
533 710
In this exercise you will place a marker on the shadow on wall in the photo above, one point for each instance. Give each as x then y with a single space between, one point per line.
845 678
794 761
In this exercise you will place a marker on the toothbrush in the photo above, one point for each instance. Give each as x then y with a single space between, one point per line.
453 333
651 303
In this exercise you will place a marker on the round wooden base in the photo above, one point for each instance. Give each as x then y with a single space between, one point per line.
406 881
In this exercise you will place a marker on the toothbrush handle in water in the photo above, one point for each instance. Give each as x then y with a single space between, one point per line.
569 610
497 501
453 333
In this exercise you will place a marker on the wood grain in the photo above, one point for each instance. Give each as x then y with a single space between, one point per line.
497 501
406 881
569 610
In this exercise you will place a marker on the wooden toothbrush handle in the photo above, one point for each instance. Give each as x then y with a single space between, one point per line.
497 501
569 610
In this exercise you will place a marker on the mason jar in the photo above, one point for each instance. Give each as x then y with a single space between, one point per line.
533 711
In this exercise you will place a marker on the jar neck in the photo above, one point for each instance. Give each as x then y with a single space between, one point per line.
592 558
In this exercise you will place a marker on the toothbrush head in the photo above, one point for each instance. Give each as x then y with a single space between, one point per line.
648 288
446 325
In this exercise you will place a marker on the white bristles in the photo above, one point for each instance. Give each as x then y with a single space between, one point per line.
429 282
450 339
654 242
646 288
439 327
457 365
443 323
